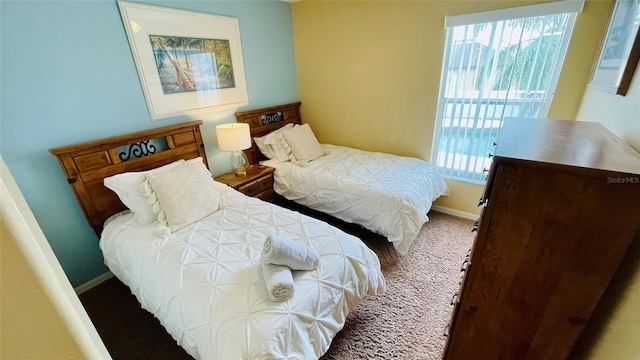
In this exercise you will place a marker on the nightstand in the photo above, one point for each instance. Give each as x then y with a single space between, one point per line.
257 183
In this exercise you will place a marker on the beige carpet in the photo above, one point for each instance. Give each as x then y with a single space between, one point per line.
406 322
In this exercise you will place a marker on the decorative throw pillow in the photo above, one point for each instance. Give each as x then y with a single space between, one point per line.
183 195
273 145
265 149
281 150
304 145
129 187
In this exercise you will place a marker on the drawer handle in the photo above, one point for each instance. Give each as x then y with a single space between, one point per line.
463 267
445 332
481 202
453 299
475 225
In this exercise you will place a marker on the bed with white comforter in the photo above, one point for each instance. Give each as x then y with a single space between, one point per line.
385 193
205 285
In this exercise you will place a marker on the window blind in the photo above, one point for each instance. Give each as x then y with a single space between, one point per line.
493 70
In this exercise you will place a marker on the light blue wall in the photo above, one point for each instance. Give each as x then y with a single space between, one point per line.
68 76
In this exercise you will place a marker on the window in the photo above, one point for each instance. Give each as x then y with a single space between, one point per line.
496 65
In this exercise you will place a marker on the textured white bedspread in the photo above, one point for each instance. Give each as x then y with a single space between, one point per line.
204 283
388 194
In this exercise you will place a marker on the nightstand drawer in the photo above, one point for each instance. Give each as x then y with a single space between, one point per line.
265 182
257 186
267 195
249 189
257 183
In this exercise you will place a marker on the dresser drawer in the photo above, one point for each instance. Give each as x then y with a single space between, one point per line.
484 200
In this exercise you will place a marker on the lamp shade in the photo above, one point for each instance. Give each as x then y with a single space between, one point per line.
233 136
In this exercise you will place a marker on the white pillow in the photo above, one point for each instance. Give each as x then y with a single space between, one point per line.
130 188
273 145
304 145
183 195
281 150
264 148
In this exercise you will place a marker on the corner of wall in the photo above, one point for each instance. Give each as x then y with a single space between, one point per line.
41 315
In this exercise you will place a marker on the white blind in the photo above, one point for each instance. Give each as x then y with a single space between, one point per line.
519 12
494 70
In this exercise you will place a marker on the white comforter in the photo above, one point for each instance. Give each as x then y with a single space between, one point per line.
204 283
388 194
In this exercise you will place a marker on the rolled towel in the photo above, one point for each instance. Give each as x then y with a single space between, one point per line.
282 251
279 281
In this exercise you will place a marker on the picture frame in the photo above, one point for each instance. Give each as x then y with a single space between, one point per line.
188 62
619 50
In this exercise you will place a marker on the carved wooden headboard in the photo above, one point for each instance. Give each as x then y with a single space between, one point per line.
265 120
86 165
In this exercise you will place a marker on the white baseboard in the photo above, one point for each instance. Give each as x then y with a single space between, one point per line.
454 212
93 282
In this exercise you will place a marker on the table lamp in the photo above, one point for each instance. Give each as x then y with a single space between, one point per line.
235 137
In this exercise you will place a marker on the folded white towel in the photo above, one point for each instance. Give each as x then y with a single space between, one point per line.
279 281
282 251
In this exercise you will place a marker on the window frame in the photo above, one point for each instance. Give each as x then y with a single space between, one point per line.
553 8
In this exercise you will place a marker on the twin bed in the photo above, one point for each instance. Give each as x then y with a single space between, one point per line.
191 253
387 194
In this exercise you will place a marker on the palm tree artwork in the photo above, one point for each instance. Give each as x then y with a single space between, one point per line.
187 64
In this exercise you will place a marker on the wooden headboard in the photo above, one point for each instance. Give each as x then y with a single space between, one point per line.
265 120
86 165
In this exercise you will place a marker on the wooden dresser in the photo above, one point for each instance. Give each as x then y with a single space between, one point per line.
560 208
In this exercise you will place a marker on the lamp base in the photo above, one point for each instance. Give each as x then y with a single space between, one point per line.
239 163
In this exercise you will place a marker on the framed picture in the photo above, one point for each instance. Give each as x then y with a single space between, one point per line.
619 50
188 62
